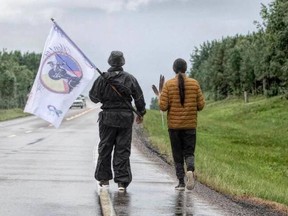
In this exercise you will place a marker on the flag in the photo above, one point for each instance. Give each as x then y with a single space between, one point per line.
63 74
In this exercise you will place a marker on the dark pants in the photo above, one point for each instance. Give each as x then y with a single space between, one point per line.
119 140
183 144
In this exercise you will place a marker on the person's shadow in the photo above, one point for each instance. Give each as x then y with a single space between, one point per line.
121 203
183 204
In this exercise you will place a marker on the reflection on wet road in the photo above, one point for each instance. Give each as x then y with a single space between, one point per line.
152 193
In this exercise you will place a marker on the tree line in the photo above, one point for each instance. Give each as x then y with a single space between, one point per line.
256 63
17 73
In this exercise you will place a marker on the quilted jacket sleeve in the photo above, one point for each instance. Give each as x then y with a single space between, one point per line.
200 99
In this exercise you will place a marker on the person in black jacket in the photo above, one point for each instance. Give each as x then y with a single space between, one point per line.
116 120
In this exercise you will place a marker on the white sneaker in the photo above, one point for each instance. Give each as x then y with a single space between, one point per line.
190 180
121 187
104 184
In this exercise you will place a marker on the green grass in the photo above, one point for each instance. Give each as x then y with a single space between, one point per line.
242 149
158 133
7 114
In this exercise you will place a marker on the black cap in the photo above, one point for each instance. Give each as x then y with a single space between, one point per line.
116 59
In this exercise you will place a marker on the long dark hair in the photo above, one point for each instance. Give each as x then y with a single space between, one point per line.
181 86
180 67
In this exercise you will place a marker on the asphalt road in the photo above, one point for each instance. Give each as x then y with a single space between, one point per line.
49 172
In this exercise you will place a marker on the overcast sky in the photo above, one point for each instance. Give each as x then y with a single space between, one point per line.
151 33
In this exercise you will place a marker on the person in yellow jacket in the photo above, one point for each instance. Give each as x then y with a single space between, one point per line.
182 98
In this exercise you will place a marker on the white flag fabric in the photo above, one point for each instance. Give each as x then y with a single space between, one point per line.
63 74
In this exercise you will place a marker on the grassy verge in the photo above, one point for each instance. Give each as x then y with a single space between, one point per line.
11 114
158 133
241 148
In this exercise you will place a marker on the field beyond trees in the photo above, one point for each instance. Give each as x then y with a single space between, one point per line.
241 147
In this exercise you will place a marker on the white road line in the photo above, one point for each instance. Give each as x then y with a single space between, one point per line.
80 114
13 135
28 132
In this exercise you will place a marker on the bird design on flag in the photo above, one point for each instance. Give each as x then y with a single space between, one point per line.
64 73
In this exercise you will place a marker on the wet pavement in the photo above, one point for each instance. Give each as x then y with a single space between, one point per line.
152 193
49 172
46 171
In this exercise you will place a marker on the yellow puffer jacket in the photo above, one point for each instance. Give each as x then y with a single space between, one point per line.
181 117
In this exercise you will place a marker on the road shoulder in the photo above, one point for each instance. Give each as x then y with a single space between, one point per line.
230 204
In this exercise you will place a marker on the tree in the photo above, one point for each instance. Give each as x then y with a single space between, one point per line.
154 104
276 22
17 73
8 88
256 63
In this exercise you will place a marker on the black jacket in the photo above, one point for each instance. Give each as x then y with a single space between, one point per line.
115 109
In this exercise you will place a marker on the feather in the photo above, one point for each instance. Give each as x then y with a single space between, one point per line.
161 83
155 90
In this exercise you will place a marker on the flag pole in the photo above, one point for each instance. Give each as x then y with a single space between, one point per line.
97 69
78 49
